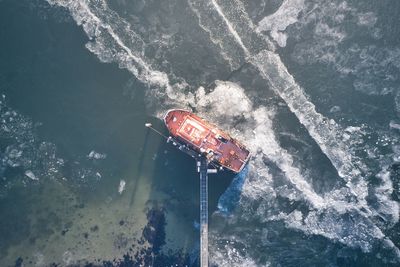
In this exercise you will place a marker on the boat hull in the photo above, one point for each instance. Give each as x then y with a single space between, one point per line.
206 139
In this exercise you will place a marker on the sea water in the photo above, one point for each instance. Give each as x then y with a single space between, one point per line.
310 86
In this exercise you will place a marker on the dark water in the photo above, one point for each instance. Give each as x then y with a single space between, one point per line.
311 87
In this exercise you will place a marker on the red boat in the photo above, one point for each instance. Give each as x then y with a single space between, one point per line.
204 138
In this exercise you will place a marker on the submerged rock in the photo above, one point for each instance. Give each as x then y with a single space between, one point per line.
154 232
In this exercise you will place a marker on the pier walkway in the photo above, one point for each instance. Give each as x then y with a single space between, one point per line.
203 169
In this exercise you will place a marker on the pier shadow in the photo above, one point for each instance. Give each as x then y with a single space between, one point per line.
145 160
139 169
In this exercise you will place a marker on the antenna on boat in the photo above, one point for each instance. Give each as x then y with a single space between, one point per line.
150 126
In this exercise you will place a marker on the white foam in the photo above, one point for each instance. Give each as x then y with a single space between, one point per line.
355 232
367 19
228 256
113 40
265 139
259 184
326 23
230 27
211 23
31 175
68 257
335 109
388 209
258 135
394 125
121 186
335 143
226 98
279 37
96 155
326 218
277 22
373 68
397 102
326 132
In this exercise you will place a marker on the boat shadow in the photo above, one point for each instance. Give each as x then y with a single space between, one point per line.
176 187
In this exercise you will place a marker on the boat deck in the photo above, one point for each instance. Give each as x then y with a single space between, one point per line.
206 138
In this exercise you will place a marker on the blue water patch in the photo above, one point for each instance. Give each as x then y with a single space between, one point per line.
228 201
